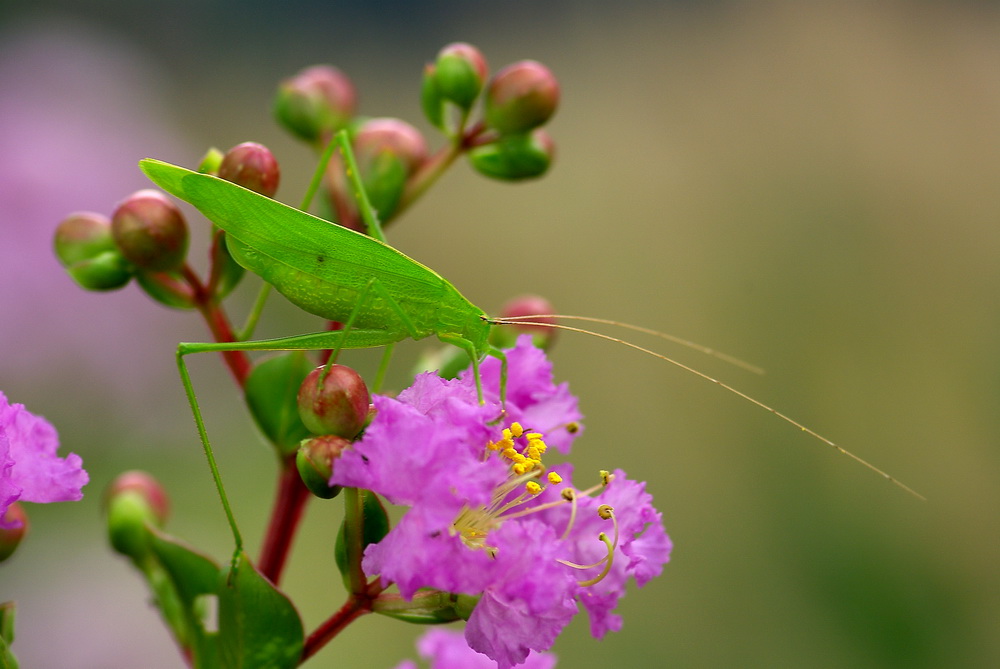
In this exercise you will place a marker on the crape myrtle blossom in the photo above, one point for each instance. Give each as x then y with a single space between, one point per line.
487 518
30 470
447 649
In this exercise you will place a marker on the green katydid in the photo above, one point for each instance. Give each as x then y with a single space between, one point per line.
379 294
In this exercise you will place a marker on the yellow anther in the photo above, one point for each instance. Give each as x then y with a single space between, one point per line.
534 453
554 478
510 453
605 477
568 494
573 427
519 468
605 511
506 433
533 435
516 429
532 487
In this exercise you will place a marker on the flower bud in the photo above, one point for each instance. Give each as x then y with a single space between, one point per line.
134 501
514 157
459 73
388 151
210 162
315 459
150 231
520 97
13 527
147 487
316 102
505 336
339 406
85 247
252 166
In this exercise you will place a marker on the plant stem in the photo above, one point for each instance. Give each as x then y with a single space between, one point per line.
222 331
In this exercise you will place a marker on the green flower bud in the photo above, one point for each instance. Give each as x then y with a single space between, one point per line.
315 103
210 161
514 157
147 487
86 248
520 97
107 271
134 502
460 72
150 231
315 459
10 537
252 166
338 406
388 151
505 336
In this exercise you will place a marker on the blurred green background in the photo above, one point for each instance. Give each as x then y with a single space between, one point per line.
809 186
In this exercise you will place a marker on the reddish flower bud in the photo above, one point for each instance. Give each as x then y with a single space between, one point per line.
252 166
134 502
505 336
520 97
317 101
388 152
315 459
339 406
460 72
389 135
13 527
147 487
150 231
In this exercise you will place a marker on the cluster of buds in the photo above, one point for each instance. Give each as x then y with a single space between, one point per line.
508 143
505 140
147 237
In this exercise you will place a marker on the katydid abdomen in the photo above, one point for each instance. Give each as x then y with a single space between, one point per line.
326 269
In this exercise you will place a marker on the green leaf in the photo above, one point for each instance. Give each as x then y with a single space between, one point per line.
167 288
271 392
375 527
226 272
7 659
258 626
181 578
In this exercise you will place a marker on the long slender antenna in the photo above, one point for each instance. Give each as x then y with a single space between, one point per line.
840 449
638 328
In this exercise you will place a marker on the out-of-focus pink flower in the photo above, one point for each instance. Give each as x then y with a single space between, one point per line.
30 470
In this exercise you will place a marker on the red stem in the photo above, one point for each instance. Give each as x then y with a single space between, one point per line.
218 323
289 503
355 607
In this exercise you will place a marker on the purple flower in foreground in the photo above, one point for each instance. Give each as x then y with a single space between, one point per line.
447 649
488 518
30 470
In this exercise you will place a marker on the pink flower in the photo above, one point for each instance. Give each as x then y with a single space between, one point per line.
447 649
488 518
30 470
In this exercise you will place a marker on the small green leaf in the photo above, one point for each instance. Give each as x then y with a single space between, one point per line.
167 288
258 626
513 157
7 659
226 272
376 526
431 99
271 393
180 578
